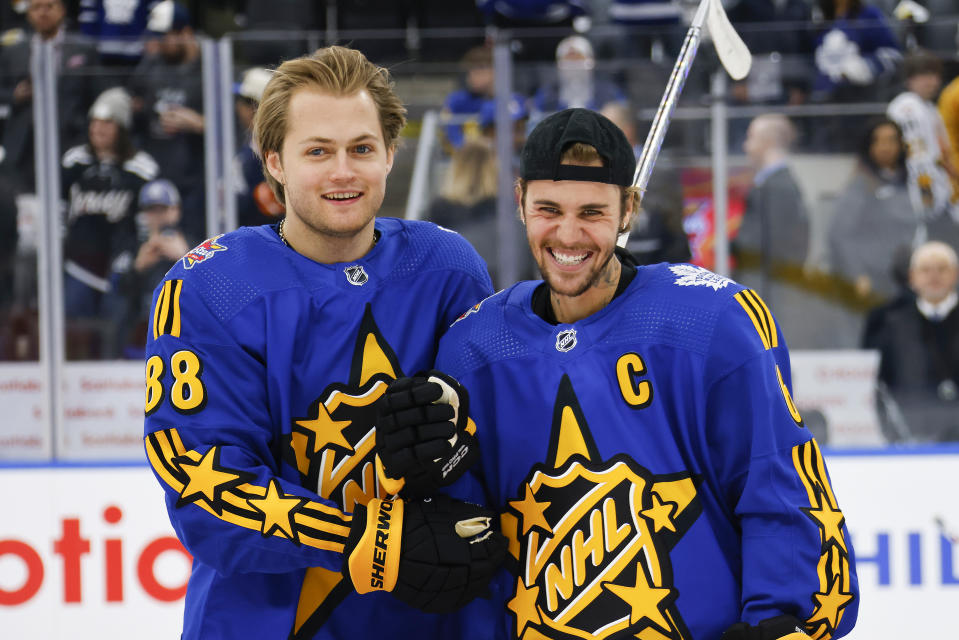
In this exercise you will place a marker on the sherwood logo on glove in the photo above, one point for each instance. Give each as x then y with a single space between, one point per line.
383 520
375 558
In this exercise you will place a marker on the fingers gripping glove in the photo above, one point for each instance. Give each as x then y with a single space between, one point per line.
435 554
424 433
778 628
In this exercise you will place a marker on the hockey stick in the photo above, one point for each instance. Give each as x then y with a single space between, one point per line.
735 58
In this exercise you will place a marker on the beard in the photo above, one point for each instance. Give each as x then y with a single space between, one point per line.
591 279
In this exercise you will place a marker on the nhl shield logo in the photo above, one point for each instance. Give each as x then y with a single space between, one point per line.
566 340
356 275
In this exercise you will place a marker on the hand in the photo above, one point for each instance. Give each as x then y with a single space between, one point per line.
435 555
778 628
424 433
148 255
172 245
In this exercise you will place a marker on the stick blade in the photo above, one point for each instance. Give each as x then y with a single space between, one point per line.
732 51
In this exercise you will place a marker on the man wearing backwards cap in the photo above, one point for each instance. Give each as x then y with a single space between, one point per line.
637 431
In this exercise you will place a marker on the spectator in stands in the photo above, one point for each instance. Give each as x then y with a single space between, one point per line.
919 351
576 82
932 178
853 49
463 106
773 237
467 200
161 244
657 233
255 203
47 19
769 249
551 16
118 28
872 218
101 180
168 102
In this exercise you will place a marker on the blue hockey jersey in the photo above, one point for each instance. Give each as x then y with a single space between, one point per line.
654 476
263 368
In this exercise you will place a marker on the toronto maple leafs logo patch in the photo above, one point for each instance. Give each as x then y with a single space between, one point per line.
693 276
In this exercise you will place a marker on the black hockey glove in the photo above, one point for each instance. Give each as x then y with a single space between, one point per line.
424 436
435 554
778 628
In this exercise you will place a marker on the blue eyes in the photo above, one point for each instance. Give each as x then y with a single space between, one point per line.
360 149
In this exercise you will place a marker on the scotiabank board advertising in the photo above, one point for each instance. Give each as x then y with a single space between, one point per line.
88 552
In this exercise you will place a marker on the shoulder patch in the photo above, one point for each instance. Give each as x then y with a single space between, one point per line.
204 251
475 308
692 276
470 311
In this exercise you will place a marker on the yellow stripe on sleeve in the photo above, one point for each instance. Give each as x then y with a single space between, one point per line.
199 480
755 315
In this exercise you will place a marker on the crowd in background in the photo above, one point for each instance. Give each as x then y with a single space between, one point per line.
131 130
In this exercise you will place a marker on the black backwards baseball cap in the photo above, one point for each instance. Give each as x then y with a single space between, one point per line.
540 159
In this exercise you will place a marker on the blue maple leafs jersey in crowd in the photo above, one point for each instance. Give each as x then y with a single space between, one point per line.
263 368
654 477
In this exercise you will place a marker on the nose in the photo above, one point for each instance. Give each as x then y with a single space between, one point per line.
567 230
343 167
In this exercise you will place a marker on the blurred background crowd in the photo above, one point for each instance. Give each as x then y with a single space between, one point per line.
841 150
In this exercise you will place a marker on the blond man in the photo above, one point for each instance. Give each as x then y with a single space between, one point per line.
267 351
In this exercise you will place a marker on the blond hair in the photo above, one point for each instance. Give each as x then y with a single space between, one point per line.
337 70
584 155
471 176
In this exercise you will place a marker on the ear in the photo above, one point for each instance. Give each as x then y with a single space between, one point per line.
275 166
390 155
518 192
632 208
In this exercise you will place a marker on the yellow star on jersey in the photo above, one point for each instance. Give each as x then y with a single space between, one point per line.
830 522
829 606
277 509
660 513
533 512
326 430
523 605
645 600
204 479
